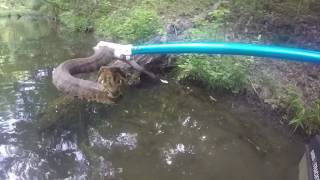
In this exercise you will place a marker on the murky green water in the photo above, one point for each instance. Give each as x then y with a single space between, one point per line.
155 132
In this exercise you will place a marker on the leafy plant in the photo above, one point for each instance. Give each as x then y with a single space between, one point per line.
215 72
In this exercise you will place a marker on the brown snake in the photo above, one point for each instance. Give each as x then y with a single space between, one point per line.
106 90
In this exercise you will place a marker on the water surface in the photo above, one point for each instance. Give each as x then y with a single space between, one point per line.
160 132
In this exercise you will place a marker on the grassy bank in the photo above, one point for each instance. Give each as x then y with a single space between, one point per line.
214 72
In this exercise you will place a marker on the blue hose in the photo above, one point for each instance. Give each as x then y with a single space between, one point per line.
230 48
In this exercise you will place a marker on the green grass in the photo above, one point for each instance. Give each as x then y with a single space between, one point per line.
295 109
313 119
210 27
215 72
301 116
172 9
130 26
75 23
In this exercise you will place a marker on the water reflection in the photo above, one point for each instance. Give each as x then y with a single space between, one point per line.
122 140
160 132
171 153
27 55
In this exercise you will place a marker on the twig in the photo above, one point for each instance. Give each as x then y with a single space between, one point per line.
254 89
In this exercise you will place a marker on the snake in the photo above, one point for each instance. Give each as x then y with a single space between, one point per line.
107 89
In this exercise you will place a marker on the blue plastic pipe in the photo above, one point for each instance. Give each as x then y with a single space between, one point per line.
231 49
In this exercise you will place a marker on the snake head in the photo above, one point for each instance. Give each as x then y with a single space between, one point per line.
112 79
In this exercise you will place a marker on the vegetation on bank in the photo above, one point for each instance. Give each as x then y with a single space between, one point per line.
300 115
120 24
133 26
214 72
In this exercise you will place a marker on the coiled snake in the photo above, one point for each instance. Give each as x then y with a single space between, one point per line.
111 78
